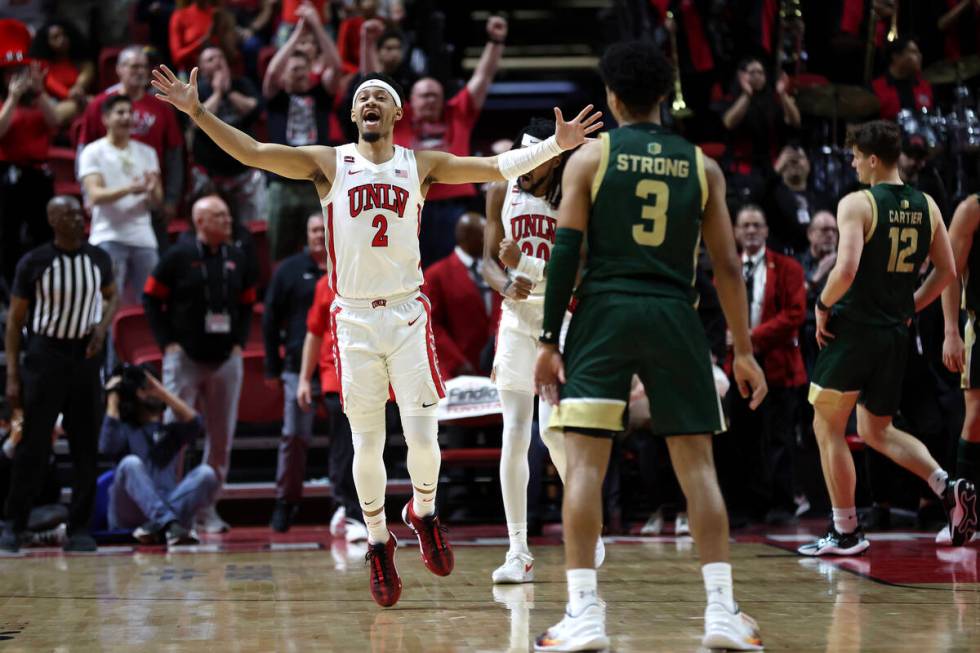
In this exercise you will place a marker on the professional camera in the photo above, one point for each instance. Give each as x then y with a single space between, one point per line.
132 379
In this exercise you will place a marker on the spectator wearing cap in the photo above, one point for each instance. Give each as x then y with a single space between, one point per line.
902 86
791 203
433 123
236 101
199 304
28 118
916 167
153 123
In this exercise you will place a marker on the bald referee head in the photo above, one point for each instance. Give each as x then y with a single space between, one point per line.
67 220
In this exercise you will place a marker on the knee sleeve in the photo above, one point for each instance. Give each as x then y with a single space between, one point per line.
518 409
368 468
424 457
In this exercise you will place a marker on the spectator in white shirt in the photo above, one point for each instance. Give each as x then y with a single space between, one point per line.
121 179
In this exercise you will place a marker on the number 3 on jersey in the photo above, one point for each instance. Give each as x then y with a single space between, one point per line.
652 234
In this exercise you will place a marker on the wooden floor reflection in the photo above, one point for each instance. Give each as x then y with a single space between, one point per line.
317 600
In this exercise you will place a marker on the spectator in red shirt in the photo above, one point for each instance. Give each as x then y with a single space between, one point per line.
902 86
349 34
431 123
195 25
293 11
70 68
27 120
154 123
319 350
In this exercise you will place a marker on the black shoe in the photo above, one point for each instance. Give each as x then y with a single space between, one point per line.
149 534
80 542
282 516
10 541
836 544
178 535
960 502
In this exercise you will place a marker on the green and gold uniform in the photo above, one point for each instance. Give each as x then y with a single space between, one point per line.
868 353
970 379
636 312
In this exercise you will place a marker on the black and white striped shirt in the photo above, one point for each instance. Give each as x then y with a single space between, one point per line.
64 289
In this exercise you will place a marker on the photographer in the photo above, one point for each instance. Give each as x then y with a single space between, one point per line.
145 494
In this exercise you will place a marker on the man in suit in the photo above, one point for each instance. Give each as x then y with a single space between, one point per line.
465 309
766 438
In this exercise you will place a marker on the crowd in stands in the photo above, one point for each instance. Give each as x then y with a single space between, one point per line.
195 237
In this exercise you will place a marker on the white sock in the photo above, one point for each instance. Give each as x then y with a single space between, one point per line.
718 584
424 459
937 481
377 527
518 410
518 537
582 589
845 520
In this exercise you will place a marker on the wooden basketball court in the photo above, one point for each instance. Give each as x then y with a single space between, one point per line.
251 591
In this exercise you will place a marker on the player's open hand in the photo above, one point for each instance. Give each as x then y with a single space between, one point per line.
954 353
824 336
171 89
750 379
573 133
549 371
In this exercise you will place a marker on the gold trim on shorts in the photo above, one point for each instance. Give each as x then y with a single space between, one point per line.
969 339
605 414
828 395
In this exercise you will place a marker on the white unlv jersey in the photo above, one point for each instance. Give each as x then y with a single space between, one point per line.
373 216
530 222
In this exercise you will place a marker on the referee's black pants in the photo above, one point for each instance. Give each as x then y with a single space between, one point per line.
57 378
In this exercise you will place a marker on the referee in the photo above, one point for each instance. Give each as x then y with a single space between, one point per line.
64 294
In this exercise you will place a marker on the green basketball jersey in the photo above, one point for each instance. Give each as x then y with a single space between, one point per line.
894 249
971 276
647 198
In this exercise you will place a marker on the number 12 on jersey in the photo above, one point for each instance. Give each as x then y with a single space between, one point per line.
652 234
905 242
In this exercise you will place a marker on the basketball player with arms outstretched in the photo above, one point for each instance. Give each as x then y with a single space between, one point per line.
372 193
641 198
522 215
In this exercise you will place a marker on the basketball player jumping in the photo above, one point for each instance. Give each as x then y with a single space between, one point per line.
372 193
641 198
521 217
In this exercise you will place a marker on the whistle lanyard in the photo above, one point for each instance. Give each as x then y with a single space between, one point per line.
207 285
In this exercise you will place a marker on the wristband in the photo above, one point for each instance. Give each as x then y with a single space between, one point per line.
530 267
514 163
821 306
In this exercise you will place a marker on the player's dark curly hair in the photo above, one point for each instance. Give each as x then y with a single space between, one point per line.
542 129
387 80
639 73
883 138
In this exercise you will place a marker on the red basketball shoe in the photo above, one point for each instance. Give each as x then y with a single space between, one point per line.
386 586
436 552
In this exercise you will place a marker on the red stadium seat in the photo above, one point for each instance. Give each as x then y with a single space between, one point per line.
258 403
133 338
62 162
107 67
471 457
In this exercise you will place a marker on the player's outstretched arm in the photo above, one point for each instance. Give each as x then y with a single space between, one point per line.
964 225
445 168
315 163
717 232
941 255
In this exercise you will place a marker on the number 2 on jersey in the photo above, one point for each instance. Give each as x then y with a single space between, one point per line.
908 239
381 238
653 234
